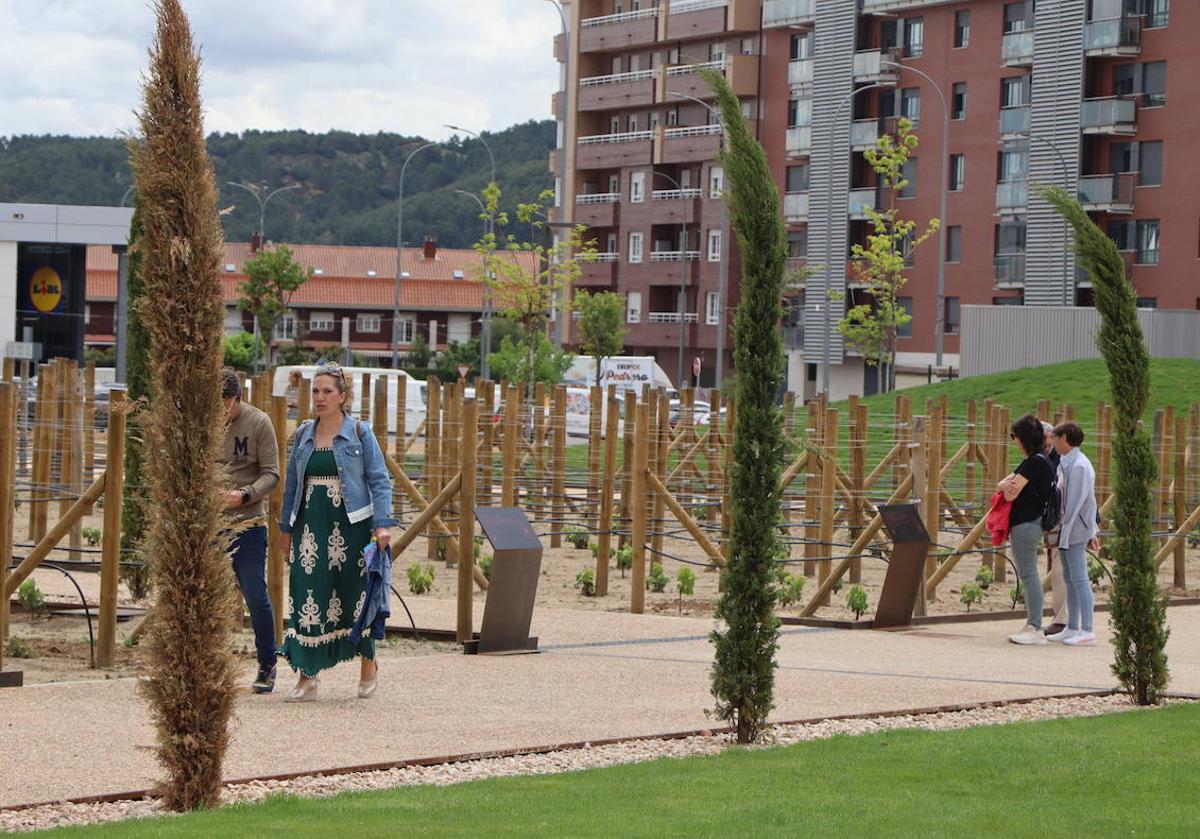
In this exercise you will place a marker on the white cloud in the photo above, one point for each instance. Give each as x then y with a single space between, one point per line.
74 66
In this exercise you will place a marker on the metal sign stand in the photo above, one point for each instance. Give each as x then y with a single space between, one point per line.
508 610
902 584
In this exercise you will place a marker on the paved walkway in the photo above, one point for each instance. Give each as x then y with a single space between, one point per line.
600 675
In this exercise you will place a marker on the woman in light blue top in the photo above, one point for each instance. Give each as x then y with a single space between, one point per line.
1078 532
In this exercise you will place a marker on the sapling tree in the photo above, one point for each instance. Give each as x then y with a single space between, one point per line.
856 600
1138 605
685 584
601 326
971 595
272 277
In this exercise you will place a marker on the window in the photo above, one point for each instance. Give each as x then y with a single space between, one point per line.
616 64
905 330
716 52
712 309
958 101
1147 302
610 243
958 172
614 183
747 46
637 187
1012 165
799 112
1122 233
406 329
1157 12
909 174
320 322
906 248
797 241
1150 163
1008 301
635 247
285 328
914 37
614 125
1148 79
910 105
714 246
716 181
1014 91
954 243
1122 157
950 316
802 46
633 123
633 307
797 178
367 323
1017 17
87 314
1010 238
962 29
1147 242
673 117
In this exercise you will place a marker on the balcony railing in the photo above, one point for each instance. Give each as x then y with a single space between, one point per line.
617 78
672 317
598 198
799 139
788 12
674 256
800 73
1113 36
603 256
1014 121
795 206
626 137
693 131
1016 50
623 17
688 69
1108 193
1109 115
1010 269
1012 197
860 200
676 194
864 134
872 66
793 337
680 7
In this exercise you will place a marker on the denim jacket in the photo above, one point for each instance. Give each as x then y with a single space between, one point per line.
366 484
372 620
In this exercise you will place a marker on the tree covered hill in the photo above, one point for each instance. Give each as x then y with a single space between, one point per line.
350 181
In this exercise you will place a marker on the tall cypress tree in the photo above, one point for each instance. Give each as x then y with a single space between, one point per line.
137 382
1138 605
191 684
743 676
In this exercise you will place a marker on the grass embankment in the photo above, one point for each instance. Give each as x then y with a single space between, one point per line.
1118 775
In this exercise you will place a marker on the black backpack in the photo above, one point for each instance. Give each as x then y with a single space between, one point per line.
1052 509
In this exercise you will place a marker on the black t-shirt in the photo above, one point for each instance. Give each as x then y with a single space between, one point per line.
1027 506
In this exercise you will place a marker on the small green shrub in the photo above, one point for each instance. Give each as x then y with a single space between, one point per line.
971 594
92 536
1096 571
625 559
837 585
856 601
594 547
685 583
30 596
790 588
478 547
420 578
585 581
985 576
657 581
1016 594
485 565
19 648
579 539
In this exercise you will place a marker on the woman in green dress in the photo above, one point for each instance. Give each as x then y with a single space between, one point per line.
337 497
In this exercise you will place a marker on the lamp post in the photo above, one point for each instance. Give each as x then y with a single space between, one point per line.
683 261
726 249
400 256
939 322
560 330
125 197
485 348
484 370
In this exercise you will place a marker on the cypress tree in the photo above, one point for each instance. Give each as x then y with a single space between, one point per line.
743 676
190 688
1138 606
137 382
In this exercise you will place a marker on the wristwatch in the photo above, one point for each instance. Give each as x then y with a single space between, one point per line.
245 497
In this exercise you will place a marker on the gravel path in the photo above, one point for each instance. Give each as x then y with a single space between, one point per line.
588 757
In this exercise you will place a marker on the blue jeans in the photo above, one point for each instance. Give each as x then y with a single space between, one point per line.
249 554
1079 588
1025 539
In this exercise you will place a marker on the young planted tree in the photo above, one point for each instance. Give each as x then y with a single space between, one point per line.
871 326
601 325
272 277
191 684
743 676
1138 606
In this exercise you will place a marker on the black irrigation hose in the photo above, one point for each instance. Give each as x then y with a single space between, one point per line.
86 611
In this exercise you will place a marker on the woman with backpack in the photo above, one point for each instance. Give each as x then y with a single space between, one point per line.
1078 532
1028 489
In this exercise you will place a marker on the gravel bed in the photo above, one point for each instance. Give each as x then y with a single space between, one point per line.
571 760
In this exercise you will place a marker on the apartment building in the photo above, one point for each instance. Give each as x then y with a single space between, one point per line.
1092 95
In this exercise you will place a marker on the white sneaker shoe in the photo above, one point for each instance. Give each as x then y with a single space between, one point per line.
1061 637
1029 636
1081 639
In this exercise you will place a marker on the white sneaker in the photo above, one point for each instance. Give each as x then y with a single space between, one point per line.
1081 639
1061 637
1029 636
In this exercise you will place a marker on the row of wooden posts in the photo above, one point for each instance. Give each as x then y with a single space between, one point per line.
495 449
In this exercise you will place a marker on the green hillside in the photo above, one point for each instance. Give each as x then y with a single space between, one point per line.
350 181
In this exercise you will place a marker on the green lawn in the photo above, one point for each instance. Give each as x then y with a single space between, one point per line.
1124 774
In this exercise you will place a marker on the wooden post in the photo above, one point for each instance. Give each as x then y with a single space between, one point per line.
365 396
1193 455
1103 453
433 454
379 415
8 476
512 425
829 442
607 490
558 488
110 557
1002 456
627 465
72 452
712 454
466 522
858 471
659 468
918 451
451 434
40 468
933 496
637 507
972 453
483 492
812 503
1164 431
1180 500
595 415
789 414
89 422
276 561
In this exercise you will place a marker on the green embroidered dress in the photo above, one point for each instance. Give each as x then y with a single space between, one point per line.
327 586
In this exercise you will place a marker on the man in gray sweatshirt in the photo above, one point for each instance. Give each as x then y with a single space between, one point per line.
250 457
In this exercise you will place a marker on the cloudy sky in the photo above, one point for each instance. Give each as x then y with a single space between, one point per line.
407 66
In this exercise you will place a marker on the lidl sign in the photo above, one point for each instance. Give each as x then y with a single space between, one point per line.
45 289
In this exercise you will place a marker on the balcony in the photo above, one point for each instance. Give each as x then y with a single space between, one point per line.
1012 197
1014 122
800 74
875 66
1109 115
793 337
799 141
597 210
617 90
672 317
789 13
689 144
1113 37
795 207
861 200
669 206
676 194
696 18
619 32
741 71
614 151
601 270
864 134
674 256
1108 193
557 104
1016 50
1010 270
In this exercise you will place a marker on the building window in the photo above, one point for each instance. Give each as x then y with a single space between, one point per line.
907 248
797 178
797 241
954 243
1008 301
958 101
1017 17
633 307
962 28
958 172
1012 165
714 246
712 308
368 323
1147 302
716 181
1148 79
1014 91
950 316
1147 242
285 328
910 105
633 123
320 322
799 112
909 175
637 187
1150 163
1157 12
802 46
905 330
635 247
406 330
914 37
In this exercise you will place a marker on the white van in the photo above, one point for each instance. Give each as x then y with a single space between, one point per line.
415 395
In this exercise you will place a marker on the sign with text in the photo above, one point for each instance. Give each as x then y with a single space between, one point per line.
627 373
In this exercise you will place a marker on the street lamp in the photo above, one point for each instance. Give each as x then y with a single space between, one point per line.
400 256
560 331
683 261
939 325
125 197
726 248
484 350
